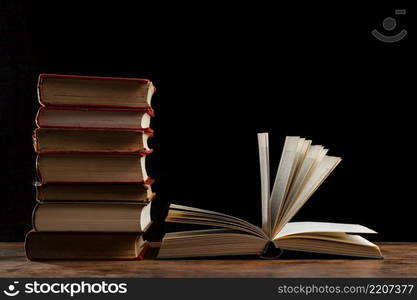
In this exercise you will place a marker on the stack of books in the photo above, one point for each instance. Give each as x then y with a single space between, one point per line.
93 193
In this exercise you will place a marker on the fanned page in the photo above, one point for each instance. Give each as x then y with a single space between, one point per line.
314 179
302 169
263 145
282 181
314 155
191 215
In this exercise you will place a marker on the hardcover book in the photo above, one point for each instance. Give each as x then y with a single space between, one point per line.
302 169
51 140
110 192
92 217
94 91
92 168
85 245
94 118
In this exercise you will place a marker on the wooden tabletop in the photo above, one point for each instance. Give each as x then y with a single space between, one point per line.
400 261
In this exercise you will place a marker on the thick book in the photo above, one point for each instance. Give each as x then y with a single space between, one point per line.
85 246
94 91
51 140
91 168
93 118
91 217
94 192
302 169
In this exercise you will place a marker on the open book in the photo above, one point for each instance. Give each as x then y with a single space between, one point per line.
303 167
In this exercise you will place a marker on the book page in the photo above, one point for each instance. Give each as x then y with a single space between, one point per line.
318 175
310 227
285 171
212 220
327 243
263 145
212 242
191 215
312 158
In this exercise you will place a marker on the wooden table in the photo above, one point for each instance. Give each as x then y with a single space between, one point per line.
400 261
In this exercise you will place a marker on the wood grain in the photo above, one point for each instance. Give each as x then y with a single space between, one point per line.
400 261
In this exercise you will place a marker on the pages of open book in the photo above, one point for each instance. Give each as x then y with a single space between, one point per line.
263 145
320 227
314 155
301 170
191 215
286 170
318 174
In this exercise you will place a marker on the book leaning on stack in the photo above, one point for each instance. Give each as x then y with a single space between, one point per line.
93 191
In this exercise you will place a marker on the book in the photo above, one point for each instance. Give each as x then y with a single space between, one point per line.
74 90
110 192
84 245
302 169
93 118
91 168
91 217
51 140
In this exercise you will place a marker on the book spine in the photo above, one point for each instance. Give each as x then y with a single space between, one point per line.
35 141
38 170
39 88
34 215
39 195
37 118
28 239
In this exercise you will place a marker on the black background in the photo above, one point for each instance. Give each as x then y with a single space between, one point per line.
224 73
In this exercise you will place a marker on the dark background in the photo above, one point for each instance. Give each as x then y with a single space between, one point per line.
224 73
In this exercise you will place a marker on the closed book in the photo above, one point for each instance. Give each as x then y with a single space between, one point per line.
92 217
110 192
91 168
51 140
85 245
94 91
94 118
